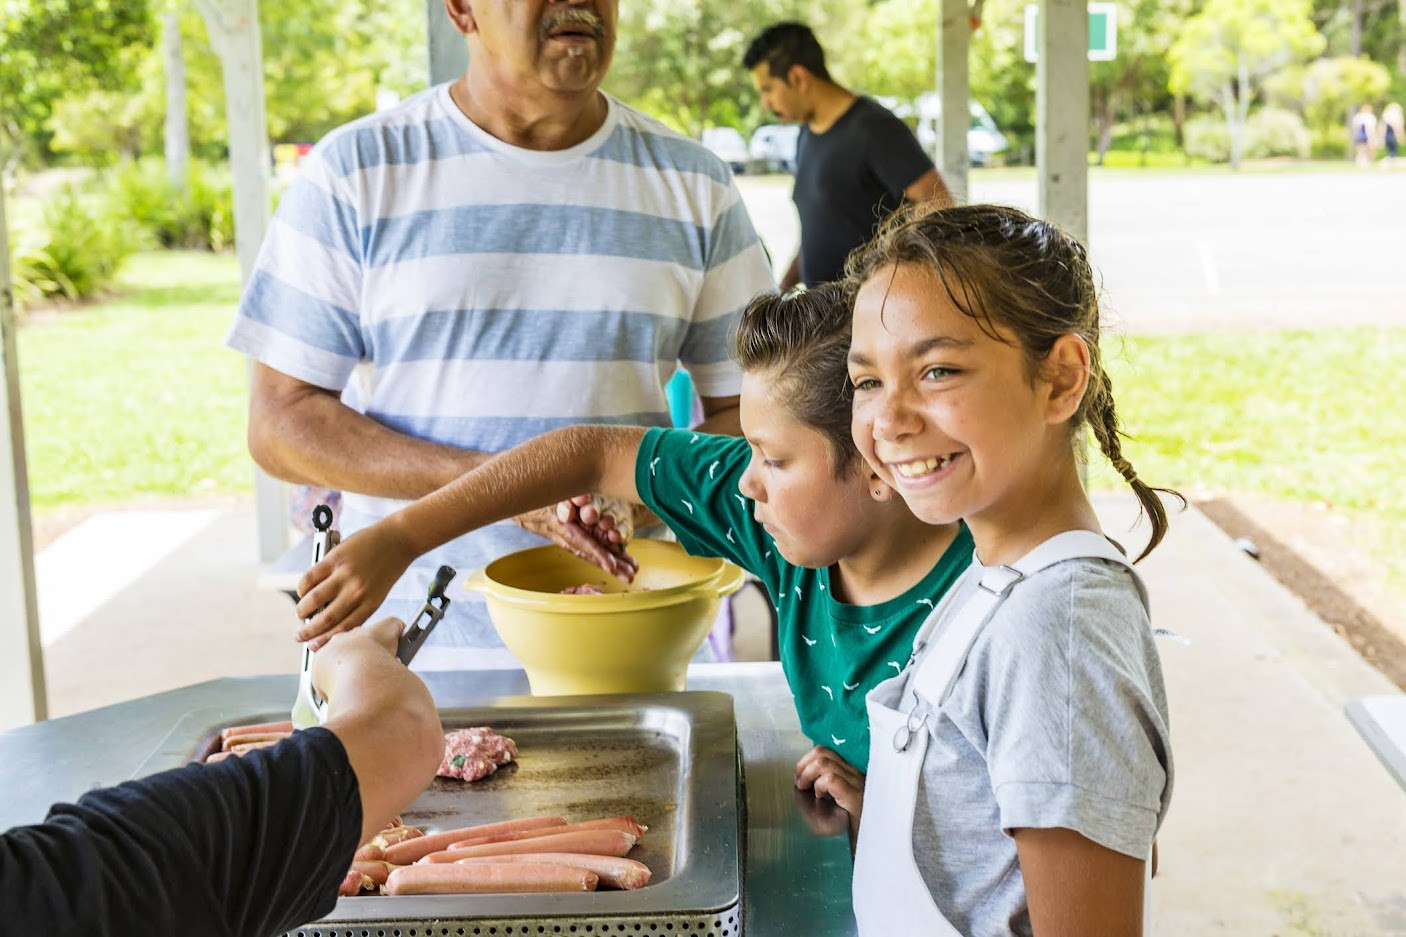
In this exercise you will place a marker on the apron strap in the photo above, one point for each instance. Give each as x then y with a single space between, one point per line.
954 634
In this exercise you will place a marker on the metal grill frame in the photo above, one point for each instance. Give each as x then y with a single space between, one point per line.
726 923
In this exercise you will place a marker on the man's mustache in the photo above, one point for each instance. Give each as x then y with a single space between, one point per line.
572 17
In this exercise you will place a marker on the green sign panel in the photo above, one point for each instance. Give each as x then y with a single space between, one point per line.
1103 32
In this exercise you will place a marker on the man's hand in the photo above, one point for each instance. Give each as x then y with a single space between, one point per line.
348 584
827 774
594 543
384 717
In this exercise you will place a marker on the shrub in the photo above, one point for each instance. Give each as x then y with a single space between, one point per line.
1332 89
1207 138
78 251
1271 131
198 216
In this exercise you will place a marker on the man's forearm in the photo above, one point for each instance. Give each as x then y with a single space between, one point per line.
306 435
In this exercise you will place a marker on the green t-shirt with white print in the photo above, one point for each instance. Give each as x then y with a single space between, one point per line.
832 653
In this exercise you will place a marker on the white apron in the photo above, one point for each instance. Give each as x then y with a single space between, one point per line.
890 896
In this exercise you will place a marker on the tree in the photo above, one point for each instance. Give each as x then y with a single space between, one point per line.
50 48
177 126
1001 79
1135 82
681 60
1331 89
1226 51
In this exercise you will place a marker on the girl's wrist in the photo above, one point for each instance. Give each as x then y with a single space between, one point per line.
402 536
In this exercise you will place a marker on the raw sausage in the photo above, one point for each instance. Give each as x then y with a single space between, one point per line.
593 842
613 871
378 872
398 834
624 824
487 878
412 849
262 728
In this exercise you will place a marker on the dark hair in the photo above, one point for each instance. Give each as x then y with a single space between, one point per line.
802 338
1006 269
782 45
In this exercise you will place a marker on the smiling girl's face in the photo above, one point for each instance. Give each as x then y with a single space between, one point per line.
945 413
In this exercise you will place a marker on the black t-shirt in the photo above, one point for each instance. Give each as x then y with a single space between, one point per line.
848 179
248 846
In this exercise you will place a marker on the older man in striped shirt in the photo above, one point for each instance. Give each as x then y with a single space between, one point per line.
494 257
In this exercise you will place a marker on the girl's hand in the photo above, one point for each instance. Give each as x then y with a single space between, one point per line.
343 589
827 774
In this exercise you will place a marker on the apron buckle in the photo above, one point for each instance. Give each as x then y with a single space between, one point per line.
904 736
999 579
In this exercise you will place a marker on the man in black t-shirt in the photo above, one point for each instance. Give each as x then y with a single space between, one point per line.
247 847
855 161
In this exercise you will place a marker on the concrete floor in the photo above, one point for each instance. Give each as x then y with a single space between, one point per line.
1282 822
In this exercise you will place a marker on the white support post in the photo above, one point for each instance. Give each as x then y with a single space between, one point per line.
233 26
23 698
449 55
954 90
1062 115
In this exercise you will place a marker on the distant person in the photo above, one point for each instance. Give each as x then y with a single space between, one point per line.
1364 135
855 161
1393 128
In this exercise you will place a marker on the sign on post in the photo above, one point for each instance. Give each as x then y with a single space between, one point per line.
1103 31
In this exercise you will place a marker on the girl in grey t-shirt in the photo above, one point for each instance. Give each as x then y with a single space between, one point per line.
1021 764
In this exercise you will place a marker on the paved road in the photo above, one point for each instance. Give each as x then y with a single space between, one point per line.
1209 251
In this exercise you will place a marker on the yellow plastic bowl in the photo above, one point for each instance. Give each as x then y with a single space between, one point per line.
637 638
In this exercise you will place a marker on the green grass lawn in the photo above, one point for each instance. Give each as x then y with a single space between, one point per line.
1312 416
136 396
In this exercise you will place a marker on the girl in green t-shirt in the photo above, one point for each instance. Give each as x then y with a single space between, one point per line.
852 573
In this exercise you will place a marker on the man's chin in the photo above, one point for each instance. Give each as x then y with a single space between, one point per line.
574 75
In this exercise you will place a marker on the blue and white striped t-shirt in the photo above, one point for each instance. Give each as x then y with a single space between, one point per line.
495 293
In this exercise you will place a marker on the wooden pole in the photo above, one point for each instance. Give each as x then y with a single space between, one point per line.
954 90
1062 115
234 31
23 698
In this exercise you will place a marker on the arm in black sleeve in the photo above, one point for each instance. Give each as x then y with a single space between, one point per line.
249 846
895 156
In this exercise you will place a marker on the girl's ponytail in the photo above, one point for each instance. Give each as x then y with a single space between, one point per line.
1103 423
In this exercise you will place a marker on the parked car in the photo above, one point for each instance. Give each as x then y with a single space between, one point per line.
728 145
773 147
984 139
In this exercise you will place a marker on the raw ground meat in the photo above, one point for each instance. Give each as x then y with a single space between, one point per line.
470 754
586 588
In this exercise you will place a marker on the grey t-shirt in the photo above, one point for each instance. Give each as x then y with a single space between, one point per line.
1058 720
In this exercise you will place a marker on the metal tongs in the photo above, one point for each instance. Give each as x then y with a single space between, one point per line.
310 708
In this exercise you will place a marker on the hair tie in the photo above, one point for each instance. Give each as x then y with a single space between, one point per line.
1125 468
